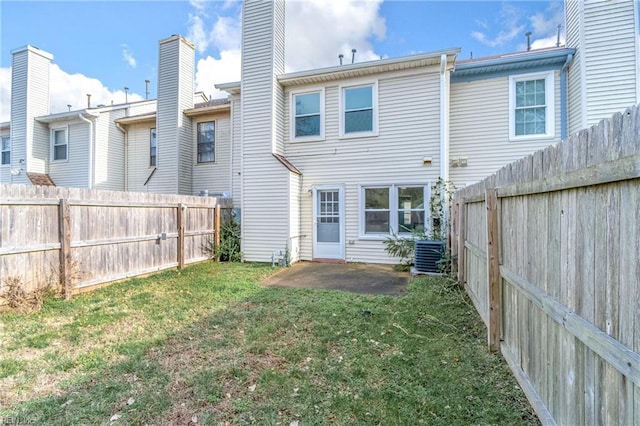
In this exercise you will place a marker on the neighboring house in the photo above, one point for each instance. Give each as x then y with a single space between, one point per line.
327 163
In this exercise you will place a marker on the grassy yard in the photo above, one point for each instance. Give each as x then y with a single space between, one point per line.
208 345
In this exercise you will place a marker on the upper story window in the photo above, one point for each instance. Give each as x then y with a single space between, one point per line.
308 115
359 110
206 141
153 147
531 106
60 144
6 150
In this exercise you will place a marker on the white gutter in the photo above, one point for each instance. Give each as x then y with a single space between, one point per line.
91 143
126 154
444 120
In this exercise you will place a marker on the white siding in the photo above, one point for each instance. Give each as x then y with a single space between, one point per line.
265 196
409 129
213 177
175 94
75 171
109 152
138 153
480 128
295 192
603 77
142 107
29 99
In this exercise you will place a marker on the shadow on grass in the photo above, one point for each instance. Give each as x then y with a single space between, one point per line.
274 355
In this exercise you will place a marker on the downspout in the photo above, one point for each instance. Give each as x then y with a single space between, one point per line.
126 154
563 97
444 121
233 118
91 133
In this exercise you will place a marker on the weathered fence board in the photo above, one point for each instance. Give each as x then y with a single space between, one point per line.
79 238
569 261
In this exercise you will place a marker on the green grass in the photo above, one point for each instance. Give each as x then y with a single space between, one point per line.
209 342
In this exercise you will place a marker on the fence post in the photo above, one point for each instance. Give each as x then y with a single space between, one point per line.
462 238
453 237
493 268
64 231
182 211
216 235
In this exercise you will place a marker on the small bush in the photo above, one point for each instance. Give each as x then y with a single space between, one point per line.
229 248
19 299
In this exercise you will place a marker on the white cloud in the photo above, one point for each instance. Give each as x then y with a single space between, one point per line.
197 33
544 26
509 20
210 71
66 89
318 30
127 56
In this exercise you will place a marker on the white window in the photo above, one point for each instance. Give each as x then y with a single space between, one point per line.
59 144
307 112
398 209
531 106
153 147
359 115
206 141
6 150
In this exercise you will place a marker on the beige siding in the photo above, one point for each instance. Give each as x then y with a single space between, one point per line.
236 151
409 129
265 196
75 171
138 154
480 128
142 107
109 152
214 176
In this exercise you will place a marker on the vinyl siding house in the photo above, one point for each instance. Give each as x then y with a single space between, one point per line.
326 163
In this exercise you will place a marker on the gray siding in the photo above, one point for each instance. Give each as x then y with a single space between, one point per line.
480 129
29 99
175 94
604 77
213 177
265 195
409 129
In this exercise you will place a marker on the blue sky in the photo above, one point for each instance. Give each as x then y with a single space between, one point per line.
100 47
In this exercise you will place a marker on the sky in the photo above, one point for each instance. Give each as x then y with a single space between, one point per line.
100 47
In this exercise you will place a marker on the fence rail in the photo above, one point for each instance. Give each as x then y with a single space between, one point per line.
79 238
549 252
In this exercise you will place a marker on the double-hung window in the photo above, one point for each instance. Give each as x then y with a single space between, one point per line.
59 144
153 147
6 150
307 110
206 141
359 110
398 209
531 106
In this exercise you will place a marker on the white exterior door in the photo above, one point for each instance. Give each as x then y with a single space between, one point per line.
328 223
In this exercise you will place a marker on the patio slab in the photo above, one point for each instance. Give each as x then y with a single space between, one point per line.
353 277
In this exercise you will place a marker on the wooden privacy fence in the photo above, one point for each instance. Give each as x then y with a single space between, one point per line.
549 252
79 238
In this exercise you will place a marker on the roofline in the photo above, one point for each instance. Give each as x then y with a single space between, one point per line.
191 112
64 116
376 66
5 125
512 58
136 118
233 88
